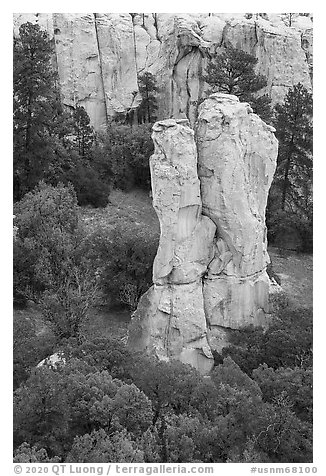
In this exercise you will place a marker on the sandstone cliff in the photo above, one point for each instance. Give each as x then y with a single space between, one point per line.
210 193
99 55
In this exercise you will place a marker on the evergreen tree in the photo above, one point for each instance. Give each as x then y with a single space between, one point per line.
50 233
50 144
232 72
38 114
294 163
83 131
290 205
148 106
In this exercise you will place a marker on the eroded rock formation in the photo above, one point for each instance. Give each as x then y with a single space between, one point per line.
236 162
99 56
210 195
170 320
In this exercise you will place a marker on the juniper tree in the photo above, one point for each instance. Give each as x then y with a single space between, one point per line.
50 232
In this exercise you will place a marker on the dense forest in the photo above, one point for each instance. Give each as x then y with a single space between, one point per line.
100 402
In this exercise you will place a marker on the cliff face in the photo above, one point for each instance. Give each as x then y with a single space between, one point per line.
95 57
210 193
99 56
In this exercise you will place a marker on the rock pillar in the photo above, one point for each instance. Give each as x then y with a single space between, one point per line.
209 273
236 162
170 320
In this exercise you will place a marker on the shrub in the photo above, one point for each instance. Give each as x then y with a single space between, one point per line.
38 216
90 188
27 454
56 405
125 259
286 343
48 229
295 383
103 354
246 348
281 435
100 447
160 412
122 155
25 281
229 373
28 348
289 230
44 208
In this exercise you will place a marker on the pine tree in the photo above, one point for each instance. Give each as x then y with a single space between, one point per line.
83 131
290 201
50 143
148 106
294 164
38 114
232 72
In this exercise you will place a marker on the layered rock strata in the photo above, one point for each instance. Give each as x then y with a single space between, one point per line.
100 56
209 273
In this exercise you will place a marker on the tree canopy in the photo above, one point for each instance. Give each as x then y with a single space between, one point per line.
51 143
148 107
49 232
84 133
294 132
232 72
36 107
290 201
104 402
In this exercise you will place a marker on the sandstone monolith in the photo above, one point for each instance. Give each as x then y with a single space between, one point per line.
210 196
170 320
236 161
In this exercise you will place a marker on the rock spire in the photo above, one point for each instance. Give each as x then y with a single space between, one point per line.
210 192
